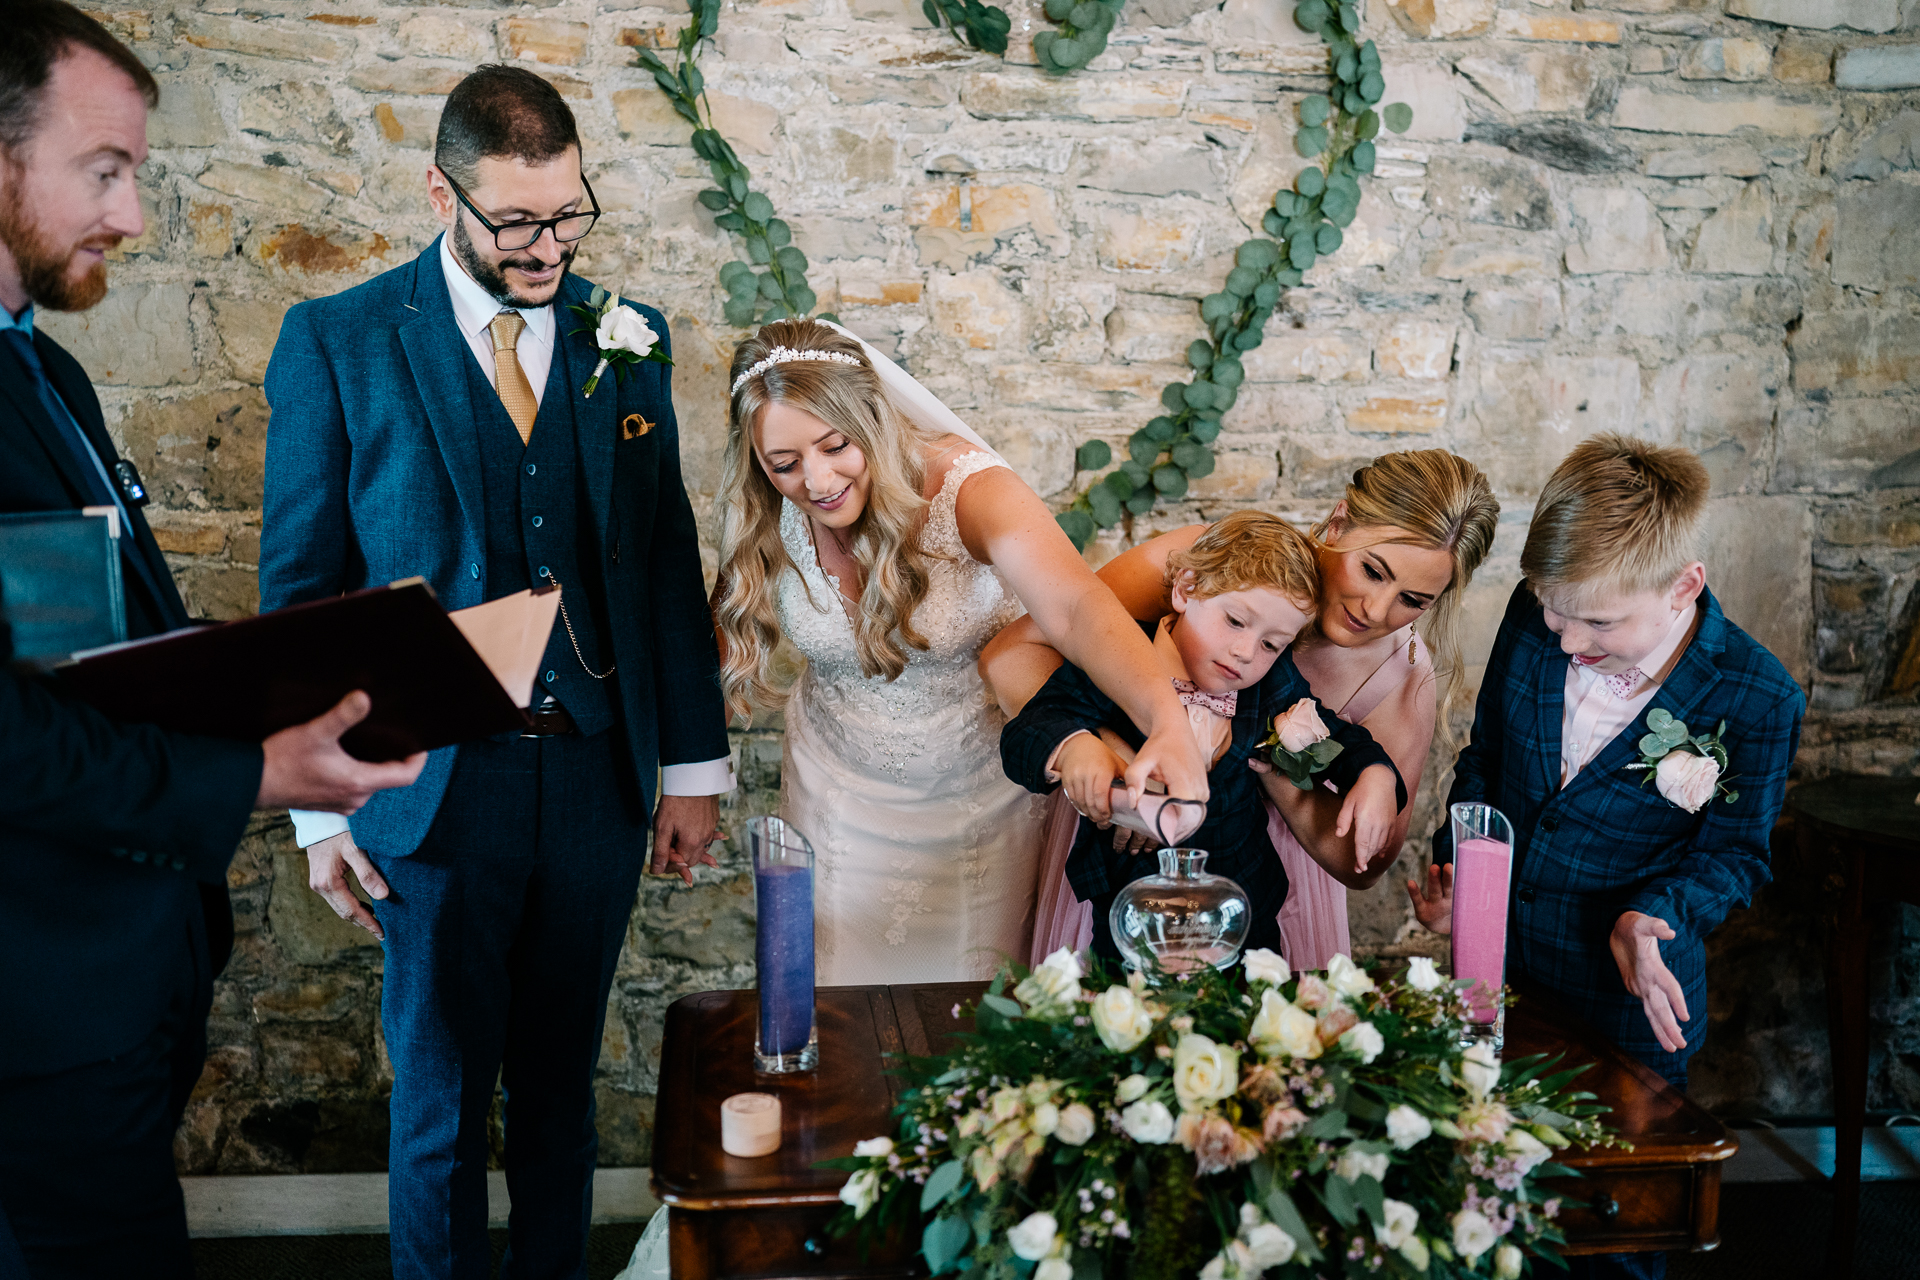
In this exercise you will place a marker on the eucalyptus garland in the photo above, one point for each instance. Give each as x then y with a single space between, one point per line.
1302 225
772 283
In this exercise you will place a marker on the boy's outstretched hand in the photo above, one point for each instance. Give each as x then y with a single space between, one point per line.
1087 769
1434 907
1636 949
1373 805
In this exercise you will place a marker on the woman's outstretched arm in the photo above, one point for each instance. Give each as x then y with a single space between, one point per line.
1003 523
1403 724
1018 661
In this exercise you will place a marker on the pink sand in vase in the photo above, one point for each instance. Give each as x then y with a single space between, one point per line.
1482 869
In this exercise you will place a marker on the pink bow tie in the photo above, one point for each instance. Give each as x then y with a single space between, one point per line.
1221 704
1622 685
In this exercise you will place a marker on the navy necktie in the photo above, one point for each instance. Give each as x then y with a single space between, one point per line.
99 492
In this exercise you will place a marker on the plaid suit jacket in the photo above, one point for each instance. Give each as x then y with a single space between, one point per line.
1607 844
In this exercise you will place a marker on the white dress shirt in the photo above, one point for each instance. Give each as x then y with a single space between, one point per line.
473 311
1594 716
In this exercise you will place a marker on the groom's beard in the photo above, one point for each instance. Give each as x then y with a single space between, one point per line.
493 278
43 265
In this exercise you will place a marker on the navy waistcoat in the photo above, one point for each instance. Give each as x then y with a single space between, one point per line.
538 528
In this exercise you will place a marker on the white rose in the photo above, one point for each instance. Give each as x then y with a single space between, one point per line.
1421 975
1266 966
1076 1125
1203 1072
1121 1018
1528 1152
1132 1089
1481 1069
1283 1029
623 329
1045 1119
1301 726
1407 1128
1148 1121
1355 1164
1473 1235
1686 779
1032 1237
1216 1268
1402 1219
862 1189
1507 1261
1269 1245
1055 1268
1364 1040
1346 977
1415 1252
1053 987
874 1147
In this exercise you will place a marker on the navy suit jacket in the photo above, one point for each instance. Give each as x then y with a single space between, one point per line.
374 474
1607 843
114 838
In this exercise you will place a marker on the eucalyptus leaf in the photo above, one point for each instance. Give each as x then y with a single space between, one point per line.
946 1238
1204 430
1363 156
1373 86
733 271
756 206
1199 355
1105 505
769 287
715 199
791 259
1300 252
1215 306
1057 10
1241 281
1227 372
1310 142
1092 456
941 1183
1084 15
1342 1203
1121 483
1078 526
1346 67
1372 1197
757 250
1137 472
1286 203
1171 481
1188 452
1198 394
1174 396
1659 718
1141 502
1202 465
1314 110
739 311
1160 430
1310 182
779 234
1143 448
1248 339
1286 1215
1311 15
1398 117
1271 223
1369 126
1327 239
737 184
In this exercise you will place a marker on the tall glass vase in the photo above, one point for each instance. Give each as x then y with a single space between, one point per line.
786 1039
1482 879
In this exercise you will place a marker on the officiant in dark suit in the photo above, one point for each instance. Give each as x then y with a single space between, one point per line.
434 421
114 838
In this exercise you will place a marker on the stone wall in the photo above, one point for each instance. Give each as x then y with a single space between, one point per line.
1698 220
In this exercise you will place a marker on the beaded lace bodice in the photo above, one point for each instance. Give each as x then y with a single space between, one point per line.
884 723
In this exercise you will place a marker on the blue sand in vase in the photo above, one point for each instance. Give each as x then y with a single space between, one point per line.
784 952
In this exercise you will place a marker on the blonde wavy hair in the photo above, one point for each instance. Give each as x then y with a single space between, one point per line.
884 538
1250 550
1618 513
1434 499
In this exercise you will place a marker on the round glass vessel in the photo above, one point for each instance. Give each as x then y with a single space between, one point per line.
1183 920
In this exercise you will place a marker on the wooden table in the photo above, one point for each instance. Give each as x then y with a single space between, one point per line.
1861 836
729 1217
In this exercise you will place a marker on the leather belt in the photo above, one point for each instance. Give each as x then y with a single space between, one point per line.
549 724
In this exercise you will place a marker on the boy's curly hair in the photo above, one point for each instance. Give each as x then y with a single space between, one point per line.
1618 514
1249 550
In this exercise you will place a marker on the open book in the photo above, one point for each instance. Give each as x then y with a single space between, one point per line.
436 678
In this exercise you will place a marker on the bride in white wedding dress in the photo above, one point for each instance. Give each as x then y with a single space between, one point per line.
873 531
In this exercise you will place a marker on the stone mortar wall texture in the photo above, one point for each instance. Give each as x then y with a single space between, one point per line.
1697 220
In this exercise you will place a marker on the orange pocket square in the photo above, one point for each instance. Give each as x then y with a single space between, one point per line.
633 426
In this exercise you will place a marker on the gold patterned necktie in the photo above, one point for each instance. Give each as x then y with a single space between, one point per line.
509 379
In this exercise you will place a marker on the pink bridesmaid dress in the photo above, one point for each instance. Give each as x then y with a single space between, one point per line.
1313 923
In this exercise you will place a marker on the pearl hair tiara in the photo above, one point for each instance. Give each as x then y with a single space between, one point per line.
783 355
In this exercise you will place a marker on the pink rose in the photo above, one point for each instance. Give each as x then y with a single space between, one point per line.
1216 1145
1313 992
1282 1123
1334 1021
1300 727
1686 779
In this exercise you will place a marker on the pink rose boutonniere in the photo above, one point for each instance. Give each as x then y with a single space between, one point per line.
1687 769
1299 744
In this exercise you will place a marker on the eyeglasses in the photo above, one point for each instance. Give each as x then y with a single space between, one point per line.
509 237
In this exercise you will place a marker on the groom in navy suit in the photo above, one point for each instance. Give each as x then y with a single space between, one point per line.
432 422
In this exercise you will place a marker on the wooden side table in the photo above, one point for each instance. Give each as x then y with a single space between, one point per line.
731 1218
1863 836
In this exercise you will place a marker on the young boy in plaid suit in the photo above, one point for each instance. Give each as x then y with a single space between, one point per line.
1613 625
1621 873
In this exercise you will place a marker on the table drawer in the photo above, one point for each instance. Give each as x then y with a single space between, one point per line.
1630 1209
775 1243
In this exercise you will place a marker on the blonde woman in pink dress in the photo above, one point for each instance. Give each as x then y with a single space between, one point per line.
1398 549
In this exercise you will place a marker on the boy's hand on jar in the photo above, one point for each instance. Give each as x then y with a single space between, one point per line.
1370 810
1636 943
1087 769
1434 907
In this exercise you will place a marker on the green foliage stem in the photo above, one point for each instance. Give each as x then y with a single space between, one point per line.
984 26
1302 225
772 283
1082 37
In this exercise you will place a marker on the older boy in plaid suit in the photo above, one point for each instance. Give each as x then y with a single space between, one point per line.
1614 625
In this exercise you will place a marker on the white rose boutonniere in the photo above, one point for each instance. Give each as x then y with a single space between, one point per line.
621 333
1687 769
1299 745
